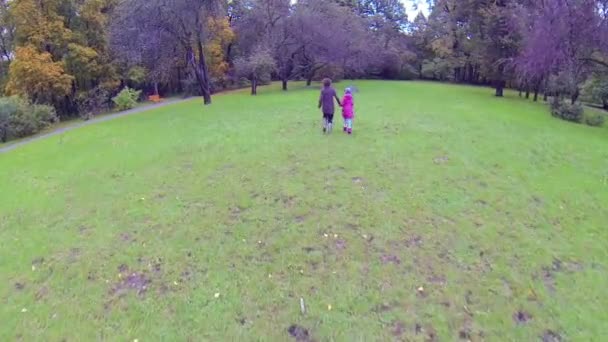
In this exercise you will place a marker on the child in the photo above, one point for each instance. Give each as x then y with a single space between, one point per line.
326 103
348 110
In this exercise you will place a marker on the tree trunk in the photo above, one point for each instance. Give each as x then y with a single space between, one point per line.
575 96
204 75
545 96
605 104
500 86
156 88
254 87
284 82
179 80
527 93
309 79
536 94
520 91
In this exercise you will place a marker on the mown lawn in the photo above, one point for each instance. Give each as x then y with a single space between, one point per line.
449 214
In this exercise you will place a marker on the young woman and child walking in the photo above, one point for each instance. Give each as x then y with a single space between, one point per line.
326 104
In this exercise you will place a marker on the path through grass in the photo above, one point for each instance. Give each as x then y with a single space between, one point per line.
449 214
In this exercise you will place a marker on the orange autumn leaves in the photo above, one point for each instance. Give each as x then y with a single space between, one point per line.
221 35
33 74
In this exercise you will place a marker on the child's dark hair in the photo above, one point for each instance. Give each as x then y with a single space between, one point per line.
326 82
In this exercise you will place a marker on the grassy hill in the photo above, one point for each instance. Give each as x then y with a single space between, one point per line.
448 214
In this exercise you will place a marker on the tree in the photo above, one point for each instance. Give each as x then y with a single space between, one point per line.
563 41
269 23
220 37
596 89
34 75
69 35
501 41
7 32
179 23
256 68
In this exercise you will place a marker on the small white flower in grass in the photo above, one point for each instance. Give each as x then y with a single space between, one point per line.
175 283
421 289
325 235
24 310
33 268
217 295
329 307
365 236
135 340
335 236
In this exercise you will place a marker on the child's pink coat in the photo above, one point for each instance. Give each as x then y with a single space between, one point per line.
348 105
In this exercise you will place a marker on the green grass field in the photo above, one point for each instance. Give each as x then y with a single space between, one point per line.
449 214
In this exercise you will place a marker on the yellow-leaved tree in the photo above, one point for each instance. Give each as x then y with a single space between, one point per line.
34 75
221 36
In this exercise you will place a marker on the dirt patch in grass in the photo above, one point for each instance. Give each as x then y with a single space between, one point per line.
431 334
551 336
358 180
390 259
384 307
521 317
74 255
398 329
19 286
236 212
548 273
38 262
288 201
548 280
414 241
464 334
309 249
299 333
126 237
42 293
130 281
437 280
84 230
340 244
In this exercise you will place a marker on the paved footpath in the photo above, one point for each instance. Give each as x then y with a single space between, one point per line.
86 123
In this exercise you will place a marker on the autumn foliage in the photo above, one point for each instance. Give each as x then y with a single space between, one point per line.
34 75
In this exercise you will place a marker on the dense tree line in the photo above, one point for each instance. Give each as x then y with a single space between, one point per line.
75 55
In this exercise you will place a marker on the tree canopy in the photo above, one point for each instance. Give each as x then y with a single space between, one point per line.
65 52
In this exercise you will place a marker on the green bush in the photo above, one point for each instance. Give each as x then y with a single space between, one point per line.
8 108
19 118
93 102
595 119
127 98
595 90
437 69
567 111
